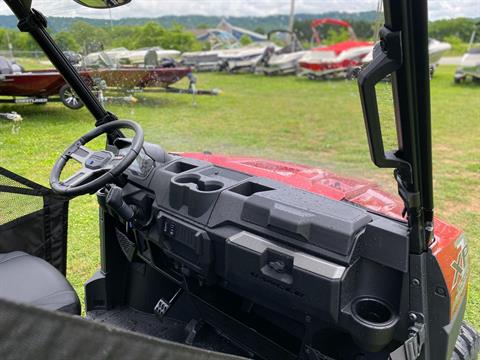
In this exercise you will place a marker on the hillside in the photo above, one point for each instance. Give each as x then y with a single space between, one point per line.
193 21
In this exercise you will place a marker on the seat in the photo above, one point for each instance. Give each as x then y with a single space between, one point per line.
31 280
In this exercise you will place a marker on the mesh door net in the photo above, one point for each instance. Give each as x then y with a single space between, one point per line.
32 219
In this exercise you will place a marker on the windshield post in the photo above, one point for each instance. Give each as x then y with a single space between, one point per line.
403 53
411 92
35 24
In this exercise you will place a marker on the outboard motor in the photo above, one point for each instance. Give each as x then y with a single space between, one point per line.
267 54
151 59
5 66
168 63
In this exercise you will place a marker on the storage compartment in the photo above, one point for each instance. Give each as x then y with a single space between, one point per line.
180 167
265 272
320 221
249 188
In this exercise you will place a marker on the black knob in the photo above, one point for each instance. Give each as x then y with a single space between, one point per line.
115 201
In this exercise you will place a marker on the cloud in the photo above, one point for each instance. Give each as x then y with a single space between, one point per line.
155 8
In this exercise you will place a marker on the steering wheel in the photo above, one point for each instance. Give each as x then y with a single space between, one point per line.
98 167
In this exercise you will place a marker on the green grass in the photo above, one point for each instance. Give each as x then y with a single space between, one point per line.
318 123
34 63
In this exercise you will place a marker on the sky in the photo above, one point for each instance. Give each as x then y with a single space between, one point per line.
439 9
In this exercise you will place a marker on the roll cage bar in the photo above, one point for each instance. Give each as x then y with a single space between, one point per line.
33 22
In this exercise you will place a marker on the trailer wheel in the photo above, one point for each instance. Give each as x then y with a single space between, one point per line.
468 344
69 98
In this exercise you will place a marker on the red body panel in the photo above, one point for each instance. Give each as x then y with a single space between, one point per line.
448 247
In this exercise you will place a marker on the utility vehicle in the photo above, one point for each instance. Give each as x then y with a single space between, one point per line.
238 256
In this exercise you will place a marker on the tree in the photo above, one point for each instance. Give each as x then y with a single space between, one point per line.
260 30
66 41
84 33
302 30
179 39
245 40
335 36
148 35
460 27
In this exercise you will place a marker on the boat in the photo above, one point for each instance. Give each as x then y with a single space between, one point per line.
137 57
122 56
136 78
284 61
436 49
209 60
334 60
244 59
32 87
41 86
470 64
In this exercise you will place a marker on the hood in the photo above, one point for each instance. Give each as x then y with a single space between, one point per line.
323 182
316 180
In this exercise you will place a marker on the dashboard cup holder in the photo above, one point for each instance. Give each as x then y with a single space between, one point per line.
201 185
195 192
372 311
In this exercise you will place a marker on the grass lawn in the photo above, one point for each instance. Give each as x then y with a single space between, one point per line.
318 123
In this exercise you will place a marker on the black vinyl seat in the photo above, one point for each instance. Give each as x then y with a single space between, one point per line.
31 280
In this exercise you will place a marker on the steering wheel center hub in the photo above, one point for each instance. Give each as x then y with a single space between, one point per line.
98 160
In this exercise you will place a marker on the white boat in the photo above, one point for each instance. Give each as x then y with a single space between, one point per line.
436 49
123 56
335 60
284 61
137 57
244 58
470 64
203 60
220 42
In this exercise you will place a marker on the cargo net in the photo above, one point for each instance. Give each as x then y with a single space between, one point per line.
17 199
32 219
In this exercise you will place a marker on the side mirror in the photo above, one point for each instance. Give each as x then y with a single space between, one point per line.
102 4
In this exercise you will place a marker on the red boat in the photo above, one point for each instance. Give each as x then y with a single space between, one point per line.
129 78
337 59
36 87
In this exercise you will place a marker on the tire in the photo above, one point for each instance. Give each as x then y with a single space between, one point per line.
69 98
467 346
